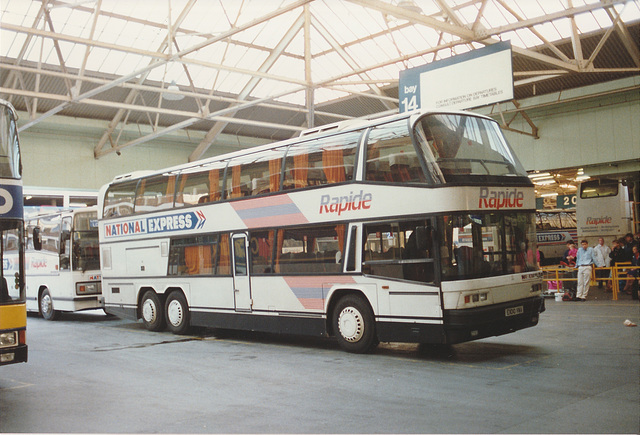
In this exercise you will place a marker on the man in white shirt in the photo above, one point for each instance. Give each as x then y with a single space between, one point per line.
601 259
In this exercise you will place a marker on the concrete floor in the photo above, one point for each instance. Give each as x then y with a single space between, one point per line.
576 372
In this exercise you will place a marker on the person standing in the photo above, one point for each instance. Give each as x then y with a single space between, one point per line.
584 264
627 246
631 287
602 259
616 256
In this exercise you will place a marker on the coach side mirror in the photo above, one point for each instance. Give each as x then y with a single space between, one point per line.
37 239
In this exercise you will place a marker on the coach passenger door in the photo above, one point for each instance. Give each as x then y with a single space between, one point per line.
241 282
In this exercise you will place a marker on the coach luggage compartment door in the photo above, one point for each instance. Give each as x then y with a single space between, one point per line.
241 281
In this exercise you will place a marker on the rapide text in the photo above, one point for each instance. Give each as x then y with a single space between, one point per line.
340 204
496 199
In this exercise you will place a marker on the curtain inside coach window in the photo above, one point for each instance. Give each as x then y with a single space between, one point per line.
333 163
214 185
180 195
236 191
140 192
198 259
171 190
224 264
275 166
340 231
300 170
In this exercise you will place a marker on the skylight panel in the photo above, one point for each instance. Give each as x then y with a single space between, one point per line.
203 78
325 95
153 11
370 52
213 53
207 16
468 14
18 12
121 7
494 16
113 60
333 20
128 63
551 6
297 98
526 9
11 43
108 29
73 54
358 22
318 43
563 26
98 60
548 31
514 37
429 7
71 22
586 23
328 66
45 46
287 66
629 12
602 18
252 9
388 72
266 88
246 58
528 38
129 34
232 82
428 35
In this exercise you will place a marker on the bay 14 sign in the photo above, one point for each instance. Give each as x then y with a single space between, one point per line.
162 224
473 79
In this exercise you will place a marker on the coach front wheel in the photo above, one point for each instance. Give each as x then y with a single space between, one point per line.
177 312
46 306
353 324
152 312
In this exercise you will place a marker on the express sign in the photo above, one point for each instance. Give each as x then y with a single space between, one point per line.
151 225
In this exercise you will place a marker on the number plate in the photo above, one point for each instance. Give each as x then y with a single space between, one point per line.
514 311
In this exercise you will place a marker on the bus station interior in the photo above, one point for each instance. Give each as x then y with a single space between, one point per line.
111 87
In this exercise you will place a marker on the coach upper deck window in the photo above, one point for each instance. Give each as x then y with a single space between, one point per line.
464 146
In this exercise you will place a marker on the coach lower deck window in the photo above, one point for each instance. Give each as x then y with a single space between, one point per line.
393 250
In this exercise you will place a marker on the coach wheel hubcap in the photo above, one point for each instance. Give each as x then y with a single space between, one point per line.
351 324
45 304
175 313
149 311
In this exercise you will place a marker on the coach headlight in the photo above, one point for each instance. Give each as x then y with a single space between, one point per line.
87 288
8 339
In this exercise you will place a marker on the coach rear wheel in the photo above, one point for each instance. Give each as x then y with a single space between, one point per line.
353 324
178 315
152 312
46 306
